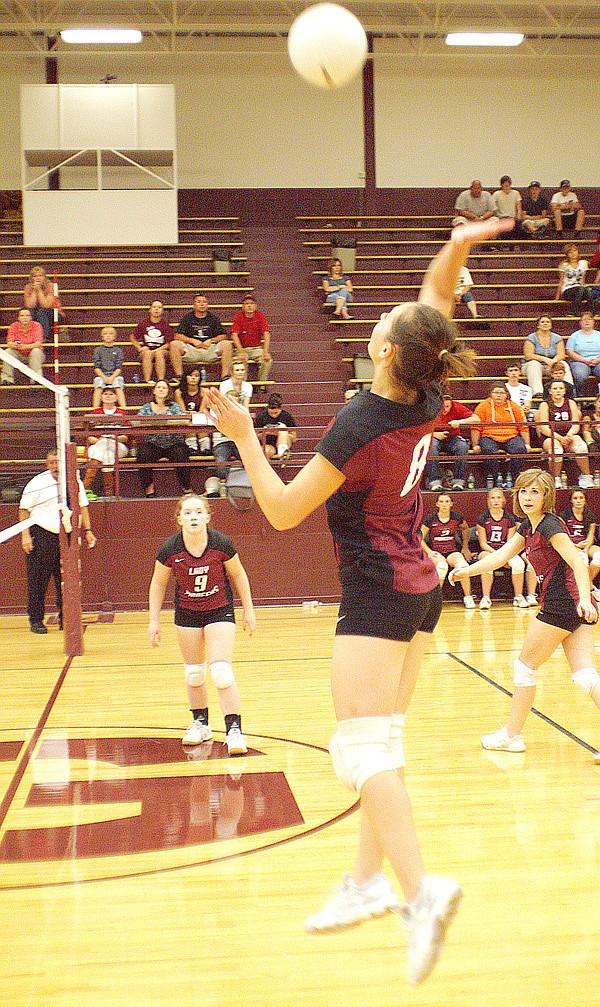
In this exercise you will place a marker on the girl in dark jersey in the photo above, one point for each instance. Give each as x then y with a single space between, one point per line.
368 469
564 434
582 527
189 396
446 542
203 562
494 528
566 610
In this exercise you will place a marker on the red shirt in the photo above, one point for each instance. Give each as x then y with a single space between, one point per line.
250 331
34 333
456 412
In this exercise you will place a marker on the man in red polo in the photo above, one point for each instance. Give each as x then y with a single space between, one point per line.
251 337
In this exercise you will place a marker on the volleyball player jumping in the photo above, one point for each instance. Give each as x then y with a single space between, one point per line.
368 469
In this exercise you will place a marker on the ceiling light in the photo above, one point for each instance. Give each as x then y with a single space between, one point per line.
506 38
100 36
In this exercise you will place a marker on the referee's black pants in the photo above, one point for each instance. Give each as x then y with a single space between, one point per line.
43 562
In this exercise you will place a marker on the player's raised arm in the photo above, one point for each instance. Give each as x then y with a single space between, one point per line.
440 279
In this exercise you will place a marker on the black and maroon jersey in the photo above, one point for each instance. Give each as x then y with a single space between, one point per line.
561 415
556 580
577 528
444 536
496 529
201 582
192 403
375 516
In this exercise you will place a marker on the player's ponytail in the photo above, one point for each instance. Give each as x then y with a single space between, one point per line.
427 349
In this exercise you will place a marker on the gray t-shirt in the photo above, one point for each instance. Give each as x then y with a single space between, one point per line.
475 204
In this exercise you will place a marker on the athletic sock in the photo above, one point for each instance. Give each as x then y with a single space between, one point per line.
233 720
201 715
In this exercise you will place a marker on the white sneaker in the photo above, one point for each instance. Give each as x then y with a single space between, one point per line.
236 742
485 602
586 482
596 593
427 921
352 903
520 602
469 601
532 600
499 741
557 483
197 733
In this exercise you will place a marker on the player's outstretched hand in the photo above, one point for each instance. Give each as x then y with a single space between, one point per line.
229 417
458 574
587 610
481 230
154 633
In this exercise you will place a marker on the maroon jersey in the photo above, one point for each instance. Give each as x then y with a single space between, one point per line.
496 529
577 528
153 334
201 582
561 415
444 536
192 403
375 516
558 592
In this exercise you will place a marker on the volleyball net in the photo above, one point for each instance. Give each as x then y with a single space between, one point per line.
66 498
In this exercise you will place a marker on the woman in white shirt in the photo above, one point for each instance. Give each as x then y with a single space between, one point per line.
571 280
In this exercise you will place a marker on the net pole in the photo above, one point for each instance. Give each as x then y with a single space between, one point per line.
71 563
56 304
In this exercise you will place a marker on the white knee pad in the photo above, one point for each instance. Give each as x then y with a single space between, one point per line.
442 569
524 675
396 740
517 564
587 679
359 750
195 674
221 673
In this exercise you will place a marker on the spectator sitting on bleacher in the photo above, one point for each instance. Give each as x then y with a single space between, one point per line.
38 296
152 338
517 391
590 426
583 350
494 528
102 449
108 367
474 203
201 339
274 416
564 434
449 441
566 209
189 396
155 446
462 291
571 280
237 382
508 205
446 541
541 349
225 450
535 212
338 289
24 340
559 371
490 439
251 337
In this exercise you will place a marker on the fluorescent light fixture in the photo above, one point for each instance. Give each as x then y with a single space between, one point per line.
100 36
506 38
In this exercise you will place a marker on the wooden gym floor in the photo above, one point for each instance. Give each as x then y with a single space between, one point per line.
130 875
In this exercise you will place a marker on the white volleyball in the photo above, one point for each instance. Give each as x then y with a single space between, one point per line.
327 45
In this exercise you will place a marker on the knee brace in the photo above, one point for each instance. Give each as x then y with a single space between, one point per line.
395 740
195 674
517 564
221 673
359 750
587 679
523 675
442 569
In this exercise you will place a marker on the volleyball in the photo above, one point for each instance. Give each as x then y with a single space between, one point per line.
327 46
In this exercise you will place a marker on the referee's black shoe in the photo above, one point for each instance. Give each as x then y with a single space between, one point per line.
38 627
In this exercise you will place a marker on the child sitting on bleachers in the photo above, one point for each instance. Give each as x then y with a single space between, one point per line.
108 367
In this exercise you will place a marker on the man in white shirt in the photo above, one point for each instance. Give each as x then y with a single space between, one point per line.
41 542
566 209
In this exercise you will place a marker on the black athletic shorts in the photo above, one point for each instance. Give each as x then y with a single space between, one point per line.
369 608
189 618
568 620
